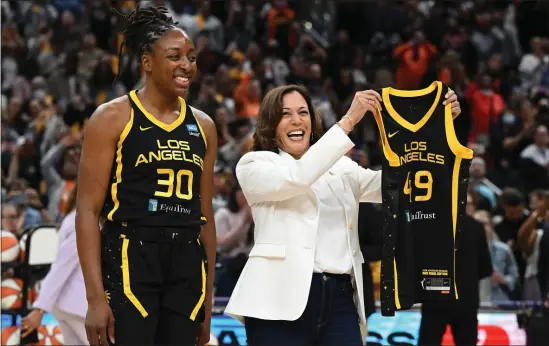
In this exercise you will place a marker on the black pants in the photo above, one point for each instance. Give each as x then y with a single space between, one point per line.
155 283
330 318
460 317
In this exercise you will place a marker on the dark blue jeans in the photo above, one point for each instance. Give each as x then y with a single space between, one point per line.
330 318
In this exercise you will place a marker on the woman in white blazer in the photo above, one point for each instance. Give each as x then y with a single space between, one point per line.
302 284
62 292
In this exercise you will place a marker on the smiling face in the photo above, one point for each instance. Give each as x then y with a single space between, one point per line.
293 133
172 62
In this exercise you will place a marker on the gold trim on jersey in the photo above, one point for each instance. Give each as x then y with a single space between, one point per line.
126 278
201 131
202 296
397 299
387 92
461 152
390 155
118 173
457 148
455 194
155 120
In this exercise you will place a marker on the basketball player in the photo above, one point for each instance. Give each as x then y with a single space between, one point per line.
424 183
147 168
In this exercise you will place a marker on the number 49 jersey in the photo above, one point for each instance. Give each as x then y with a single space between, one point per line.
424 187
155 178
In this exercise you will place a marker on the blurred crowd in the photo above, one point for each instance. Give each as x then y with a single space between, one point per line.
60 59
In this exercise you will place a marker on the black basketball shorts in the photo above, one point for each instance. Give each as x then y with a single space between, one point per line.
155 283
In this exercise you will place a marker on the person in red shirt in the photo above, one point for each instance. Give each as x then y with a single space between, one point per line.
486 106
413 58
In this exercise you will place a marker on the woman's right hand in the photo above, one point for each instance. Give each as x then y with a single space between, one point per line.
99 322
363 102
30 322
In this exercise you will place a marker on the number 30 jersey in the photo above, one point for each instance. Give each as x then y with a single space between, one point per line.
155 177
424 187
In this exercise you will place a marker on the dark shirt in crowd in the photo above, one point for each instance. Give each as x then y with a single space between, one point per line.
508 230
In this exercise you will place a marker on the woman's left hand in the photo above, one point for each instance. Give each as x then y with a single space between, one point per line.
30 322
452 98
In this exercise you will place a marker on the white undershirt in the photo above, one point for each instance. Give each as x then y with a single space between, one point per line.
332 253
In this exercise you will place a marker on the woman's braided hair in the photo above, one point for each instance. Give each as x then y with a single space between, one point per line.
144 26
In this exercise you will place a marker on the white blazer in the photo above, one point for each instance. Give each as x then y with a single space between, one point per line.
275 282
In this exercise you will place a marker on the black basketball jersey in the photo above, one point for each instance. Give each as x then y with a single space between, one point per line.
424 187
155 178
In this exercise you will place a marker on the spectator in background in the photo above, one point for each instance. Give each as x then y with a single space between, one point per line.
65 154
506 134
319 96
507 227
248 97
510 134
232 224
276 69
535 158
506 32
486 107
89 57
205 21
29 206
483 41
67 35
22 163
241 25
280 26
529 240
239 134
12 220
36 212
477 179
78 111
99 18
223 182
207 97
413 59
531 64
501 286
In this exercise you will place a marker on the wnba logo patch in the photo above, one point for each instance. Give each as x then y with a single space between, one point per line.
153 205
193 130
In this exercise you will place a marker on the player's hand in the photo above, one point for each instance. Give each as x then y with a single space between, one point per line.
99 321
204 336
452 98
363 102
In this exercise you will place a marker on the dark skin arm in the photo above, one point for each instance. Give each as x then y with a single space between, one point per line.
527 233
207 235
101 136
